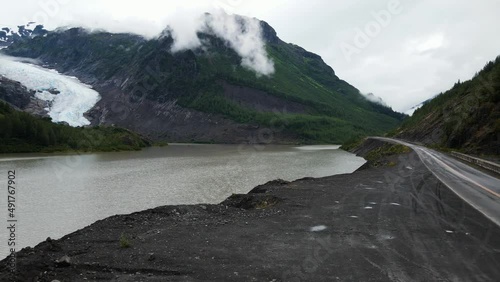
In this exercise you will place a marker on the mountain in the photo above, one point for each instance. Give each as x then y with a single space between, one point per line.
19 97
22 32
466 117
416 107
21 132
209 93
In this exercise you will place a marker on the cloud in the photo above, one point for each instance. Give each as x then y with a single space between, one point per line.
244 35
429 43
184 32
375 99
149 18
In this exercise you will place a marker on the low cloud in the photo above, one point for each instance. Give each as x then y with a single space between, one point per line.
242 34
184 30
375 99
184 19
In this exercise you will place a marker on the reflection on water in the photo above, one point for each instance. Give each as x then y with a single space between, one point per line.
57 195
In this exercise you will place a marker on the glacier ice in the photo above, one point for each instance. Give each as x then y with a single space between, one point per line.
74 99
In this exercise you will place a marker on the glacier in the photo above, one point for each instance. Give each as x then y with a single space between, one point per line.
75 98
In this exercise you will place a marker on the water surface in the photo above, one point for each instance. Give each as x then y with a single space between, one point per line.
57 195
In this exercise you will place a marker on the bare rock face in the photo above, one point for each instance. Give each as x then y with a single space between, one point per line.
169 121
22 32
22 98
14 93
37 107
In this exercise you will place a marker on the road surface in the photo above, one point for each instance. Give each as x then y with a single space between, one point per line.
480 190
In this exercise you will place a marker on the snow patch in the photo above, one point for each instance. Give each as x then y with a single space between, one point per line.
386 237
318 228
74 99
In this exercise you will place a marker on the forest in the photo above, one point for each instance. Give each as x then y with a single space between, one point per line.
21 132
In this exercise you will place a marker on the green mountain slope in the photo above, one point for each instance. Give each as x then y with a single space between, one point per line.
303 98
21 132
466 117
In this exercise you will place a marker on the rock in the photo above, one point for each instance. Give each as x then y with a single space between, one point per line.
307 179
37 107
151 257
278 181
251 201
54 91
65 261
14 93
261 189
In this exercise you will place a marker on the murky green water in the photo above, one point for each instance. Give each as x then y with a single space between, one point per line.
57 195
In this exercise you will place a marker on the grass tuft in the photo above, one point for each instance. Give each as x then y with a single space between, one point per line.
125 242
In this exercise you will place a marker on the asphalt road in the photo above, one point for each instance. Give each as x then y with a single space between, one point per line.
477 188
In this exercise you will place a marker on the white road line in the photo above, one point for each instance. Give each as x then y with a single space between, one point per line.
460 175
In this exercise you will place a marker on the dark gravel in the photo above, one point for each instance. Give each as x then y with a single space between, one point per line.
392 223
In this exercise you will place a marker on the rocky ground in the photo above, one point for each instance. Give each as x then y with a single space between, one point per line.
393 222
14 93
167 120
21 98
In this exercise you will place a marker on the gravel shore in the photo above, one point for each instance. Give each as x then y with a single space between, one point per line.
393 222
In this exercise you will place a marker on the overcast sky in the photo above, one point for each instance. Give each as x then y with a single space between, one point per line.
404 51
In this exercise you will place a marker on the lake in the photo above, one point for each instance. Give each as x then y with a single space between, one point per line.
57 195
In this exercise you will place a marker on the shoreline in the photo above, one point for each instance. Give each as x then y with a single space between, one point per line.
377 224
81 152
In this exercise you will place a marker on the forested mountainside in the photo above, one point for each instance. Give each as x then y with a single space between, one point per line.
466 117
206 94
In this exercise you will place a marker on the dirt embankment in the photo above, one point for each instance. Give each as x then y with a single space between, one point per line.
390 221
